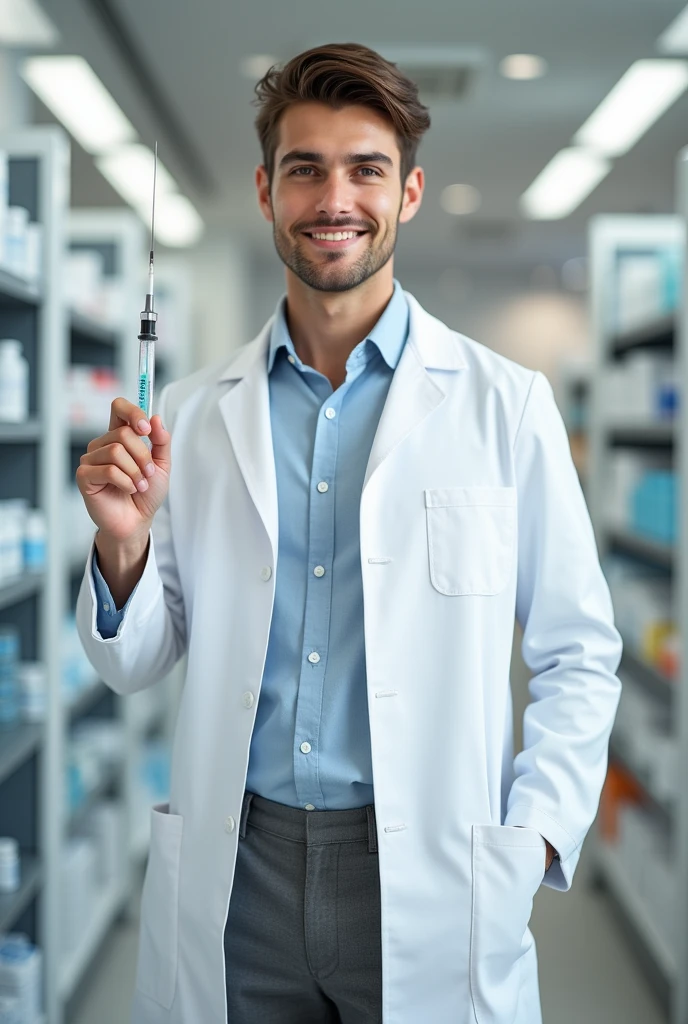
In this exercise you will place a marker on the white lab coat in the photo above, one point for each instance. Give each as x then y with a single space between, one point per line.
471 514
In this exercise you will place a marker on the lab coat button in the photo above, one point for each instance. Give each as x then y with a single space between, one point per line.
319 571
314 657
305 748
265 573
330 413
229 824
248 699
323 486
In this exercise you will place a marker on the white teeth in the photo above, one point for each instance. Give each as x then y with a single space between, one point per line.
337 236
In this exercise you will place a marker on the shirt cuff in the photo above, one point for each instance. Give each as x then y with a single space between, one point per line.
108 619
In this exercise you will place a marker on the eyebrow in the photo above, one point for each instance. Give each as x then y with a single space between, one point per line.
297 155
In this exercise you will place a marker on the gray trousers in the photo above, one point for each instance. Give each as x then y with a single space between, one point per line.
302 942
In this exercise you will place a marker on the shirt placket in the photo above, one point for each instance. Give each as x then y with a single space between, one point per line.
318 602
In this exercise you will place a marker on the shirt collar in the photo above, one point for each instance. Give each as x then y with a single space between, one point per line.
389 333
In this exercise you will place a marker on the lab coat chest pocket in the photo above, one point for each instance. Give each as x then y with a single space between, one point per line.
471 538
508 867
157 959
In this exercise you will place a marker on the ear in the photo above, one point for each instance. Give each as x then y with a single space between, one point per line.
263 191
413 195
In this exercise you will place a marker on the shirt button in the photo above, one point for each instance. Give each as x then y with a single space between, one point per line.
314 657
323 486
319 570
305 748
229 824
291 360
265 573
247 699
330 413
310 807
106 607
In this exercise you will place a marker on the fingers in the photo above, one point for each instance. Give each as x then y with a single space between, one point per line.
91 479
122 448
125 413
161 440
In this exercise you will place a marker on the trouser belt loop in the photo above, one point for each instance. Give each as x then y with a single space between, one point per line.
248 797
372 830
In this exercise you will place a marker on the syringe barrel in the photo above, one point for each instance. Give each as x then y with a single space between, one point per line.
146 373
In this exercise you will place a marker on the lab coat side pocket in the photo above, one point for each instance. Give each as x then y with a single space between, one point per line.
156 972
508 868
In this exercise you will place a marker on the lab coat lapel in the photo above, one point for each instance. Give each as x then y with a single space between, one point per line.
414 393
245 409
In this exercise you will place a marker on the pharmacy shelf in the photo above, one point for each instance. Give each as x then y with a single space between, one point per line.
93 330
658 444
20 433
635 912
110 777
650 551
20 587
656 334
17 744
645 435
664 810
16 292
86 700
13 904
73 968
649 677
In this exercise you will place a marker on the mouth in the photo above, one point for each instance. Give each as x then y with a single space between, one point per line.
334 243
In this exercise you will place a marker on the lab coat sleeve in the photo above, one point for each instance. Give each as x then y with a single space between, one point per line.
152 635
570 643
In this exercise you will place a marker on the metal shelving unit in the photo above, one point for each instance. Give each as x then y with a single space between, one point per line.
644 923
37 462
31 461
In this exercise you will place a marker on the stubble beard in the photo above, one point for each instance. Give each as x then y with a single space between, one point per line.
328 277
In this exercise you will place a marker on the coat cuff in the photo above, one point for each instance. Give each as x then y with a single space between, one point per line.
560 874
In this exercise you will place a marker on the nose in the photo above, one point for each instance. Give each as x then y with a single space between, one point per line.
336 196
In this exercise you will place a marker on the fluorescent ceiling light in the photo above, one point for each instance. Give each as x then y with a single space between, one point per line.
76 96
645 92
675 39
177 222
256 65
129 170
523 66
24 23
563 185
460 199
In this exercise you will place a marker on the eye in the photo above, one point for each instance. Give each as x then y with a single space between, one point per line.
373 169
296 169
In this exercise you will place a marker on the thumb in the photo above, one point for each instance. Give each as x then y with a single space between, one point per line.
160 440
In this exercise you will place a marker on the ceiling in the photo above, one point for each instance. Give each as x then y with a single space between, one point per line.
188 92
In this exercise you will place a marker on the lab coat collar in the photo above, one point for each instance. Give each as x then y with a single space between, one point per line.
414 393
437 346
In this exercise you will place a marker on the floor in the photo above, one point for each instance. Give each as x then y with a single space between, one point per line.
587 973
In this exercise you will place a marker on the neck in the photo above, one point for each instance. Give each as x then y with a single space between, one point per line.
325 327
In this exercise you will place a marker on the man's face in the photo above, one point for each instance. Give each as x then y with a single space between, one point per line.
335 171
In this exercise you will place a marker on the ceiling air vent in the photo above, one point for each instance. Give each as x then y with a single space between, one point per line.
440 72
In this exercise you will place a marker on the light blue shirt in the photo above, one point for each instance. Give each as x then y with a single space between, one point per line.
311 740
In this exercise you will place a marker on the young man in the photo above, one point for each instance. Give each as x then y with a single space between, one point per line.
361 502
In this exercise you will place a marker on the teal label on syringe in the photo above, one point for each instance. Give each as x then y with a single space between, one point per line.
144 392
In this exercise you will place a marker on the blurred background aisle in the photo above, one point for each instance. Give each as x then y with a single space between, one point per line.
552 230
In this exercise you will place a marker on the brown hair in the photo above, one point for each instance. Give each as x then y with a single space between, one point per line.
339 74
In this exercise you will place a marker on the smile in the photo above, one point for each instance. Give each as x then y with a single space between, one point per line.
334 239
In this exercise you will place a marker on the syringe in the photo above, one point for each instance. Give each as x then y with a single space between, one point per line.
148 337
